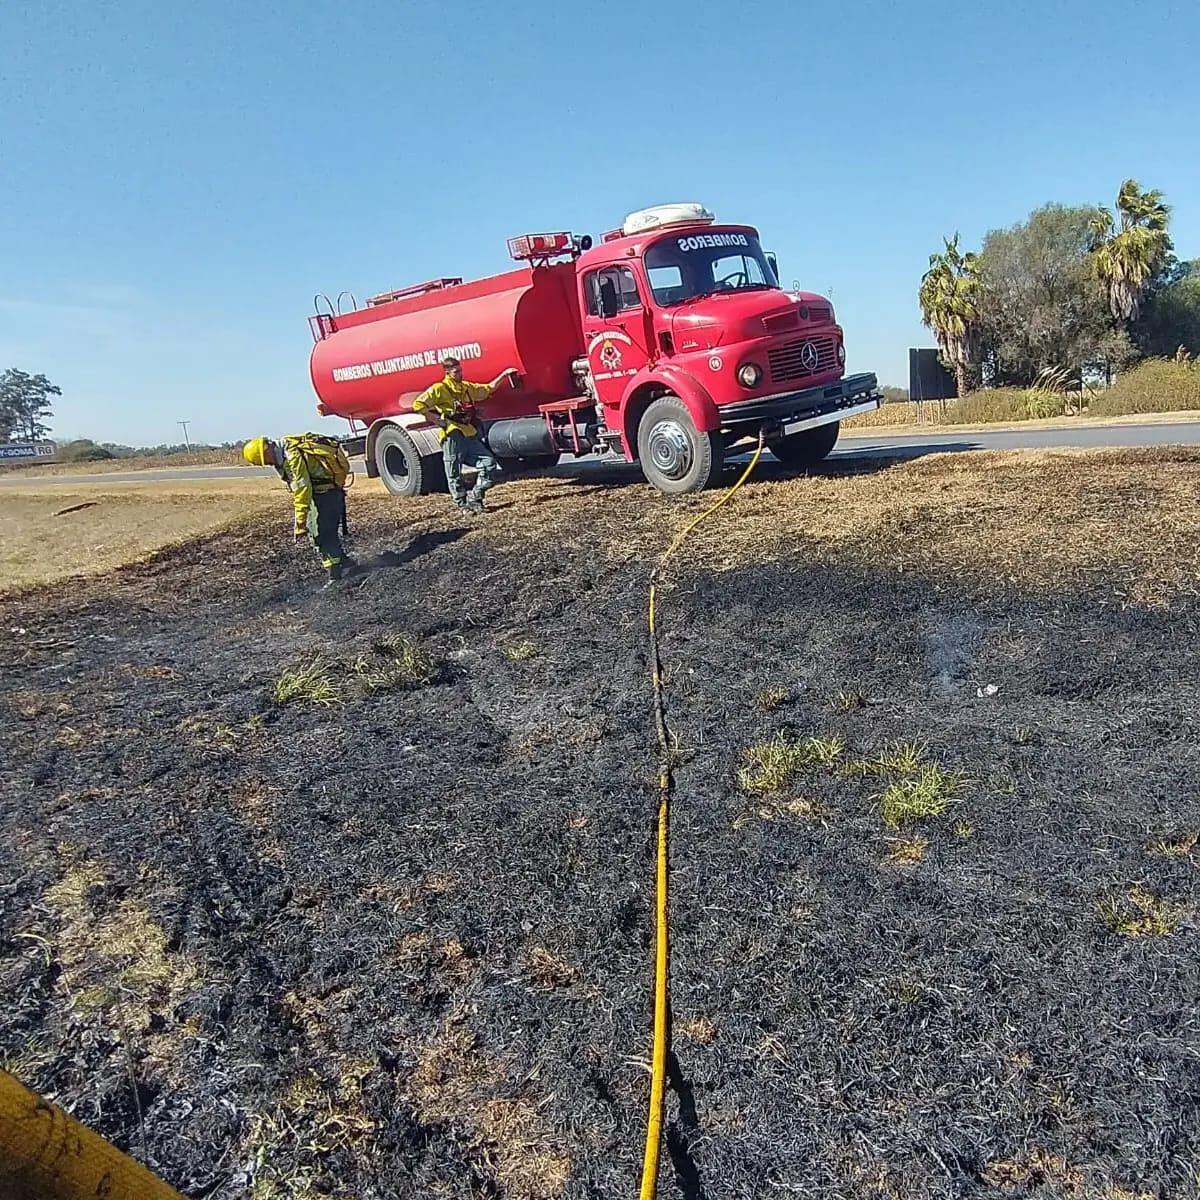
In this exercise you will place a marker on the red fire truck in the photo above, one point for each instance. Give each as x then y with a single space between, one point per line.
669 342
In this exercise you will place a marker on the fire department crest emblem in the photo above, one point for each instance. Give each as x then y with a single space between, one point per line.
610 356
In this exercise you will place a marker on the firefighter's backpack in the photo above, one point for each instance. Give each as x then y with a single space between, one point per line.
327 456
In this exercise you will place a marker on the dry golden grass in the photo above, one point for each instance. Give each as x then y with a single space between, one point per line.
399 660
1054 1177
1139 913
798 808
122 524
310 1118
114 957
698 1029
1044 521
546 970
1155 386
907 852
455 1082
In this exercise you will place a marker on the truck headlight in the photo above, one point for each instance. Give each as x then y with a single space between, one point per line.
841 354
749 375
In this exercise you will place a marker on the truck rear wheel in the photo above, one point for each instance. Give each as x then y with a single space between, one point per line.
403 470
674 455
808 447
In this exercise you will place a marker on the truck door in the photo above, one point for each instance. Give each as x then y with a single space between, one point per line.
615 330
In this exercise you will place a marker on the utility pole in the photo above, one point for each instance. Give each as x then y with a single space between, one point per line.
186 440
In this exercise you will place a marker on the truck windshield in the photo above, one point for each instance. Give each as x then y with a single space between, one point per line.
704 264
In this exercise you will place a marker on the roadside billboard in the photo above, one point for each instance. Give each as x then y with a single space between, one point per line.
27 451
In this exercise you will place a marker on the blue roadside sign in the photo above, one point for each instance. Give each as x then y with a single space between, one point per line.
27 451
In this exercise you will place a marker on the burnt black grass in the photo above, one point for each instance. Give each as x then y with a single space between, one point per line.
401 946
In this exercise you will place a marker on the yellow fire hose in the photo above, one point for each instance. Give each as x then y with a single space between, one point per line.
658 1061
47 1155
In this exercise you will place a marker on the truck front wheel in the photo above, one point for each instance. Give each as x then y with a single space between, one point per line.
808 447
674 455
403 470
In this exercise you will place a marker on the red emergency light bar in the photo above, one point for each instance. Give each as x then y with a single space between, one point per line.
541 245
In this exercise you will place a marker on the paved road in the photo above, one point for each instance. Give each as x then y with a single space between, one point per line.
944 439
857 445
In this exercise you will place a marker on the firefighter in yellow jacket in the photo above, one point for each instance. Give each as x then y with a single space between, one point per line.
316 469
450 404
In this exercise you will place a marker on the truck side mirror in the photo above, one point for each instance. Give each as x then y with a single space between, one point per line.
609 305
774 263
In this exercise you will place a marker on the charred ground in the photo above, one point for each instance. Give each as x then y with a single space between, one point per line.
398 944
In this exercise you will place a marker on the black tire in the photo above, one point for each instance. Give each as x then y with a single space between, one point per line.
808 447
674 455
403 470
514 468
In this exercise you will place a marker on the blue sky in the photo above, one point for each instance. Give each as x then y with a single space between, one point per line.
179 180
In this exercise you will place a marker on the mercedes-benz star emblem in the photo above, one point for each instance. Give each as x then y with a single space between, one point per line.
809 357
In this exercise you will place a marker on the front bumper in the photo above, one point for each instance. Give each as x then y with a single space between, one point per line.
807 409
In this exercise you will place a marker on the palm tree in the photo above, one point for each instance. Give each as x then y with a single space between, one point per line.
950 297
1126 260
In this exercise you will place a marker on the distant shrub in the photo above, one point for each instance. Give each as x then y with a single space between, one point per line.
85 451
988 404
1156 385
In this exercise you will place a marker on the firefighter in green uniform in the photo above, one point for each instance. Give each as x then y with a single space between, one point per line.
451 404
316 469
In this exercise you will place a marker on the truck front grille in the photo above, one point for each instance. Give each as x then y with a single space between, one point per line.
788 361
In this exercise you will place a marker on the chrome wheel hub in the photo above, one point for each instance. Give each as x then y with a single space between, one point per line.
670 449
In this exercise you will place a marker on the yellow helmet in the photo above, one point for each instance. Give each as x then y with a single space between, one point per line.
255 452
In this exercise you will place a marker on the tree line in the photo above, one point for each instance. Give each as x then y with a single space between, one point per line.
1078 290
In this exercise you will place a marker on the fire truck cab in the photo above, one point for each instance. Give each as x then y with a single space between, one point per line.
692 347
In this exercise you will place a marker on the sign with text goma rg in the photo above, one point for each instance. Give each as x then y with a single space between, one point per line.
27 451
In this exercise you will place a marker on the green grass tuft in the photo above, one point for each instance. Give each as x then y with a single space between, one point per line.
901 758
1176 847
307 684
519 651
770 767
825 751
771 699
399 661
915 799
